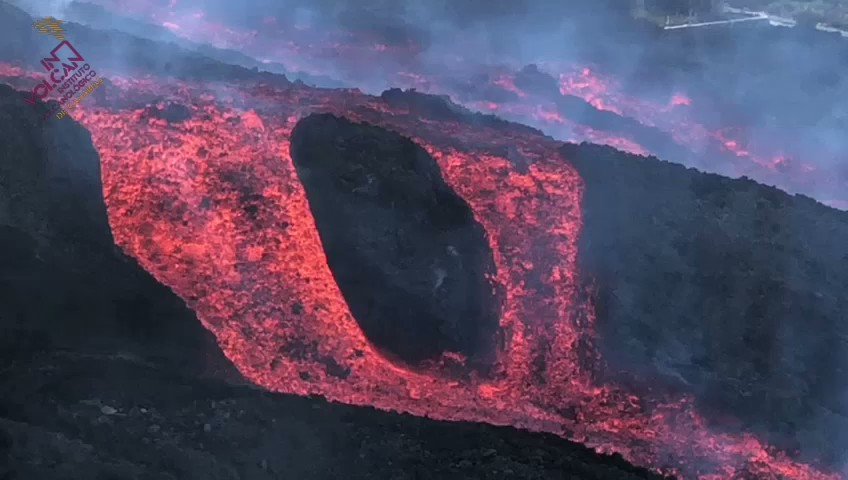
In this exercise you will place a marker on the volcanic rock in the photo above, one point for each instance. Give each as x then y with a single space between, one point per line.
726 289
63 281
405 249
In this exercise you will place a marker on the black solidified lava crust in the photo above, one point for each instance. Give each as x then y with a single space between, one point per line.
405 249
723 288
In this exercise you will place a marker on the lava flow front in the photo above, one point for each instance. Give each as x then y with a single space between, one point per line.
211 205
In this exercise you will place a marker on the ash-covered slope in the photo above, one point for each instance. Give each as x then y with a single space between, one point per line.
105 374
63 283
728 289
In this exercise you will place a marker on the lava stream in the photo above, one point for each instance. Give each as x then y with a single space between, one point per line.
258 279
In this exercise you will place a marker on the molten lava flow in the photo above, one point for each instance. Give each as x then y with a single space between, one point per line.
212 207
589 87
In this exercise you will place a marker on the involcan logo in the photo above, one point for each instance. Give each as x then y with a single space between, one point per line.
69 75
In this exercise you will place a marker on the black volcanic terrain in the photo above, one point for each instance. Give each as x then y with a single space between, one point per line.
727 289
405 249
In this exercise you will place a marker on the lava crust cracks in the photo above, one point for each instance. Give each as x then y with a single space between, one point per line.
410 259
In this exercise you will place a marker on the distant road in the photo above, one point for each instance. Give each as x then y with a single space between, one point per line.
756 16
715 22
